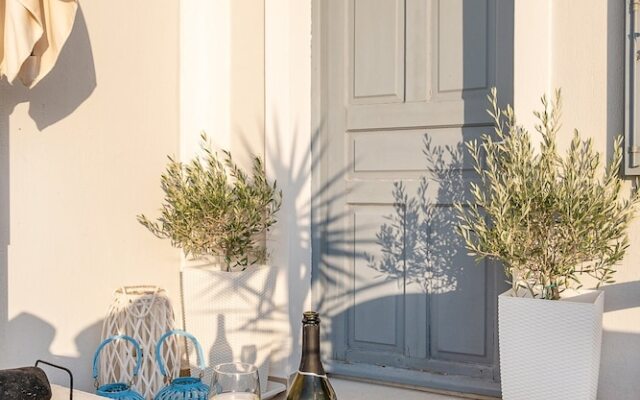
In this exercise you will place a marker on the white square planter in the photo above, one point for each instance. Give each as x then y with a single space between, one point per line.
229 313
550 349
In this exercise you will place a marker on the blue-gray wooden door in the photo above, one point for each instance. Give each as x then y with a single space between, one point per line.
400 85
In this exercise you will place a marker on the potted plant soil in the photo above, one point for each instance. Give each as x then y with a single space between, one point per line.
552 220
218 215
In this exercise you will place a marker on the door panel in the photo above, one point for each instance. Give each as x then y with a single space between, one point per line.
375 296
377 51
403 85
462 40
404 149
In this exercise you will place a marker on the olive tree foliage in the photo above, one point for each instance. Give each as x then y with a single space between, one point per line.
550 219
213 208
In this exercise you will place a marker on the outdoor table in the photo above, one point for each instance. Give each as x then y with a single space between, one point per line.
62 393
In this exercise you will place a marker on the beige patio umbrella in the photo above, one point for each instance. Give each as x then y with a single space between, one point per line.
32 33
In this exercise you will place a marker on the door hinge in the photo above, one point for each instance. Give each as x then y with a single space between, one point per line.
633 152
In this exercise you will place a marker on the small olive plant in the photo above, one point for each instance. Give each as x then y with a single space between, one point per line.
549 219
212 208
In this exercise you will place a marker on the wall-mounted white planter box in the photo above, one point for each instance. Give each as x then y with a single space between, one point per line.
230 314
550 349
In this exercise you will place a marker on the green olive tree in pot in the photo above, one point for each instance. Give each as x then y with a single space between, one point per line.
218 215
551 220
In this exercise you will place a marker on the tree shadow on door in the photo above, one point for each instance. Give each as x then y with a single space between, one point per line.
441 320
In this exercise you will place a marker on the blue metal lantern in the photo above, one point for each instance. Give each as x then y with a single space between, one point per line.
118 390
183 388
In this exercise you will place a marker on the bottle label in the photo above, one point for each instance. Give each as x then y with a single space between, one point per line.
312 374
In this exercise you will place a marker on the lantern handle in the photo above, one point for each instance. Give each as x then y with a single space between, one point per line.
179 332
108 340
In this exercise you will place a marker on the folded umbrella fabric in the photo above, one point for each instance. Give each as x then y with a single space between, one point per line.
32 34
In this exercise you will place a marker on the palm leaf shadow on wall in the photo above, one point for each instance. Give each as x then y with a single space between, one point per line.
293 171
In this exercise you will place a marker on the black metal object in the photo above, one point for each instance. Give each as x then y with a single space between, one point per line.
64 369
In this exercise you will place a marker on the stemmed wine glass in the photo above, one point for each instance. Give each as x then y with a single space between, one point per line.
235 381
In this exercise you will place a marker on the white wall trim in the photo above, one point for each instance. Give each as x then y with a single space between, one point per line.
288 153
205 75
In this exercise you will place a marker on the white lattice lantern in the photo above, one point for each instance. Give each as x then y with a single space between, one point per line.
144 313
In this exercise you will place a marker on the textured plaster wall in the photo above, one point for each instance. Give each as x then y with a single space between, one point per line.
247 104
222 76
578 46
588 64
288 150
81 155
532 55
251 93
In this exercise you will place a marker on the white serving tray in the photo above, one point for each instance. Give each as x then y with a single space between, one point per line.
62 393
273 389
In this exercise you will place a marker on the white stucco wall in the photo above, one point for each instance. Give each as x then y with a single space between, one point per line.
288 146
204 74
532 56
82 154
222 77
578 46
588 64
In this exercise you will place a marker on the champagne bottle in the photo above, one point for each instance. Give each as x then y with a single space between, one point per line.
310 382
